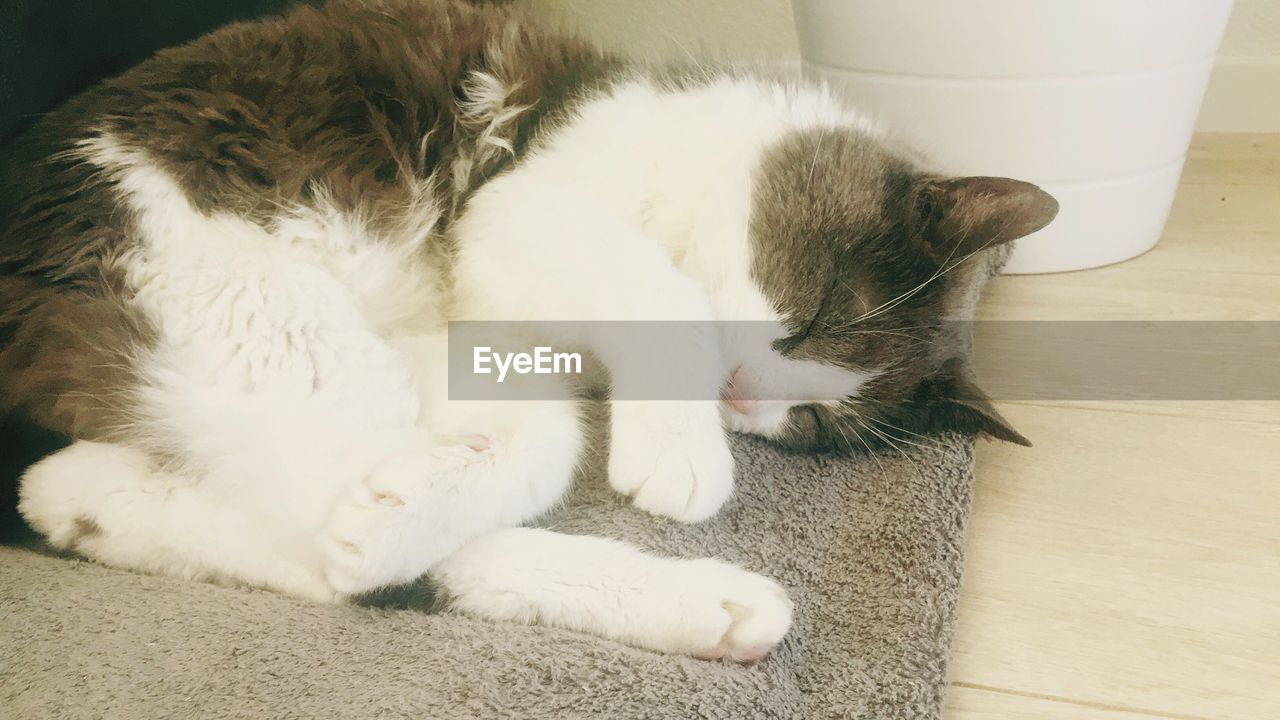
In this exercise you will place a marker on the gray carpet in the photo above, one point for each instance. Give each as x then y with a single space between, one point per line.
870 550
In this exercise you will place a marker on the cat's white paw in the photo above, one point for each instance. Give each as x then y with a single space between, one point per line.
392 526
294 578
62 495
728 612
671 458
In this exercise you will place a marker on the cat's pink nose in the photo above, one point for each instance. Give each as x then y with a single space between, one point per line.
735 393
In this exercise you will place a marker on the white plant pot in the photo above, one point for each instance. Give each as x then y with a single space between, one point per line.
1094 100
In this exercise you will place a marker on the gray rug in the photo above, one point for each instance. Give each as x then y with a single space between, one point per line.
870 549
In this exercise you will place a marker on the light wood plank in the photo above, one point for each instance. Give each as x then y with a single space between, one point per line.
1219 207
1216 252
972 703
1265 412
1128 566
1233 159
1118 293
1231 171
1242 146
1127 560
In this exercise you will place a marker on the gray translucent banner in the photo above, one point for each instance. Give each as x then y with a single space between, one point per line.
1025 360
1128 360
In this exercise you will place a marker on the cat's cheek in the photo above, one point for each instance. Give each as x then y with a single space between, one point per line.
766 418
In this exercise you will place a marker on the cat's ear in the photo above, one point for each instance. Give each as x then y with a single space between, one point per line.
971 401
966 214
960 405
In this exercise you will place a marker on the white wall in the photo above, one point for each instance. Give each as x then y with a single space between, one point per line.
654 29
1254 31
1244 93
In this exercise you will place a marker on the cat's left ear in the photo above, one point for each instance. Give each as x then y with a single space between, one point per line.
960 405
967 214
970 400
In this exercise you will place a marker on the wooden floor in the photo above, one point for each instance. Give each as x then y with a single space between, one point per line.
1128 566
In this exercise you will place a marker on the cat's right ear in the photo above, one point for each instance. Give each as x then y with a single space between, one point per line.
967 214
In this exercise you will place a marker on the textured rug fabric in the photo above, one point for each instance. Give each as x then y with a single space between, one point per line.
870 550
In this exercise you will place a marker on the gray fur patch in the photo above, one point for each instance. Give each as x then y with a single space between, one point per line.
85 528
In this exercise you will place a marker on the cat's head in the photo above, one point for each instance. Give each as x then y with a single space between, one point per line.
871 265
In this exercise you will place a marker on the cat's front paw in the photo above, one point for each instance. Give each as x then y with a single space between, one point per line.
394 524
671 458
728 612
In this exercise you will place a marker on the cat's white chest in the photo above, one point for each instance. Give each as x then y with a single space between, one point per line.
238 303
242 306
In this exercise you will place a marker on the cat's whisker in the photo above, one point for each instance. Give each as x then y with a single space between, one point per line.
926 438
850 328
894 302
909 336
891 304
878 434
846 324
870 451
845 437
902 440
894 445
817 153
943 269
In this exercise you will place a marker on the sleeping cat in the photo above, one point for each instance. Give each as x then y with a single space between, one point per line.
225 276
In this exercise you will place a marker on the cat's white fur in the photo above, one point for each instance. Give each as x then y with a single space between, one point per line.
296 428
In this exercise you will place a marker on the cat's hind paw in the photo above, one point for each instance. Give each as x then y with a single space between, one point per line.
63 495
393 525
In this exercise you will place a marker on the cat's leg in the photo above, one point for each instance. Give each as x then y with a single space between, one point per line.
498 465
271 390
489 464
320 489
109 502
532 250
706 608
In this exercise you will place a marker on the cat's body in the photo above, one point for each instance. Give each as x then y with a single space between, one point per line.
226 276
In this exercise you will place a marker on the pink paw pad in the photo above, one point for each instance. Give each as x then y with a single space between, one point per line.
479 443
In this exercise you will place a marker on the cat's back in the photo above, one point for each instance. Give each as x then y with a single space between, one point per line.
360 97
356 96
